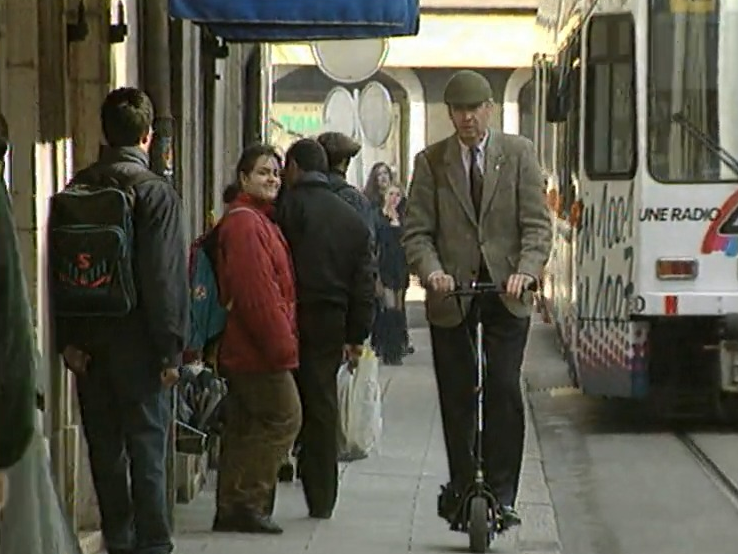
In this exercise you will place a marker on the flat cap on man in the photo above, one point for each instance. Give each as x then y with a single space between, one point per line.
467 88
338 146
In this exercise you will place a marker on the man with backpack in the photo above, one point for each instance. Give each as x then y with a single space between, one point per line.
120 297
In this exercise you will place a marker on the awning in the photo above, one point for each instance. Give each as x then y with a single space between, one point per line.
301 20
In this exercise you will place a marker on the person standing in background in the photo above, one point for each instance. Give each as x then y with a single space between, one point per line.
380 178
341 149
393 279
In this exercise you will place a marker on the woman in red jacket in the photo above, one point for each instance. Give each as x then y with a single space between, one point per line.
258 351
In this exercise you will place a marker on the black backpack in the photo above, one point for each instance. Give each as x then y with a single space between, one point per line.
91 243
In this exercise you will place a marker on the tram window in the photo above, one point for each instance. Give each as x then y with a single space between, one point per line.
526 101
691 100
609 100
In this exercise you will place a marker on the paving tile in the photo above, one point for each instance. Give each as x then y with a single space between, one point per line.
387 502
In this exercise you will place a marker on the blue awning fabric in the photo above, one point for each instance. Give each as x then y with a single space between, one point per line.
300 20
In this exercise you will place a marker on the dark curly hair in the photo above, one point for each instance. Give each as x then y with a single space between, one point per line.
251 154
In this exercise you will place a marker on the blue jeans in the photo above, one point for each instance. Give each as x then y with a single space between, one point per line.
123 435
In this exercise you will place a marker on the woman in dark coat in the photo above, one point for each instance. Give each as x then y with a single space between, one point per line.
380 178
394 279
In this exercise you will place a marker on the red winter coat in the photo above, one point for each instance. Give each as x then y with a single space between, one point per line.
255 278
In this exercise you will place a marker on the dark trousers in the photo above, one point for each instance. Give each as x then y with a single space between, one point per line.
128 436
391 328
505 337
262 420
322 333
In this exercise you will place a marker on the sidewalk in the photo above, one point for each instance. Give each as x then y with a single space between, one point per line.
387 503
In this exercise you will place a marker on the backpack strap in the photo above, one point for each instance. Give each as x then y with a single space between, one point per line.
229 305
106 178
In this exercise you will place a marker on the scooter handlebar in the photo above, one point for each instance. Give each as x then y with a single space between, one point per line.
479 288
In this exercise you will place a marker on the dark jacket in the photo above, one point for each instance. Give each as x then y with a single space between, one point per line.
391 255
255 277
332 252
17 346
355 199
134 349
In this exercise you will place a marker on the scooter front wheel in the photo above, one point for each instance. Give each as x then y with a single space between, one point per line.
479 534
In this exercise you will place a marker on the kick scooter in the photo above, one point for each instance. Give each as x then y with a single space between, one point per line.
479 513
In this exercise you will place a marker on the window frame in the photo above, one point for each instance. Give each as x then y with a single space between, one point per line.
609 60
566 142
649 151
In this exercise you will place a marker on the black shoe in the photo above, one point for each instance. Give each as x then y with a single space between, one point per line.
321 514
510 518
286 473
449 502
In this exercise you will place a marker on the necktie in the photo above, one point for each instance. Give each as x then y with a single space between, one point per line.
476 179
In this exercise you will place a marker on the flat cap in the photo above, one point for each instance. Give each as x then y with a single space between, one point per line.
338 146
467 88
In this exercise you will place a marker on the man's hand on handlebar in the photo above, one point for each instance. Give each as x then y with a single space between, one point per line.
440 281
518 283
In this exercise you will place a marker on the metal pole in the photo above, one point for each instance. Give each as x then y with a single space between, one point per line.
157 79
267 88
157 83
359 159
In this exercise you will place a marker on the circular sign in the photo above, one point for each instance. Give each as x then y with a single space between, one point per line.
338 112
375 113
350 61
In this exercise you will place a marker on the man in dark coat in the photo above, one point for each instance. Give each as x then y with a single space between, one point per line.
331 250
126 366
341 149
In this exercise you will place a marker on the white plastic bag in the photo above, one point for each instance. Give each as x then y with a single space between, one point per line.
34 520
360 408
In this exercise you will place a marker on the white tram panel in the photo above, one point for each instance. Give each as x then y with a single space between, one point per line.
604 347
688 262
610 349
657 232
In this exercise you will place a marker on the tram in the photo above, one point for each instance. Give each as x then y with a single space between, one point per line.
636 127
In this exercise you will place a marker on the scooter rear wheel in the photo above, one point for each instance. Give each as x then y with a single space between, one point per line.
479 535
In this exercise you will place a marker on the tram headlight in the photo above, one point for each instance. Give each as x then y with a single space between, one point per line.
677 269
